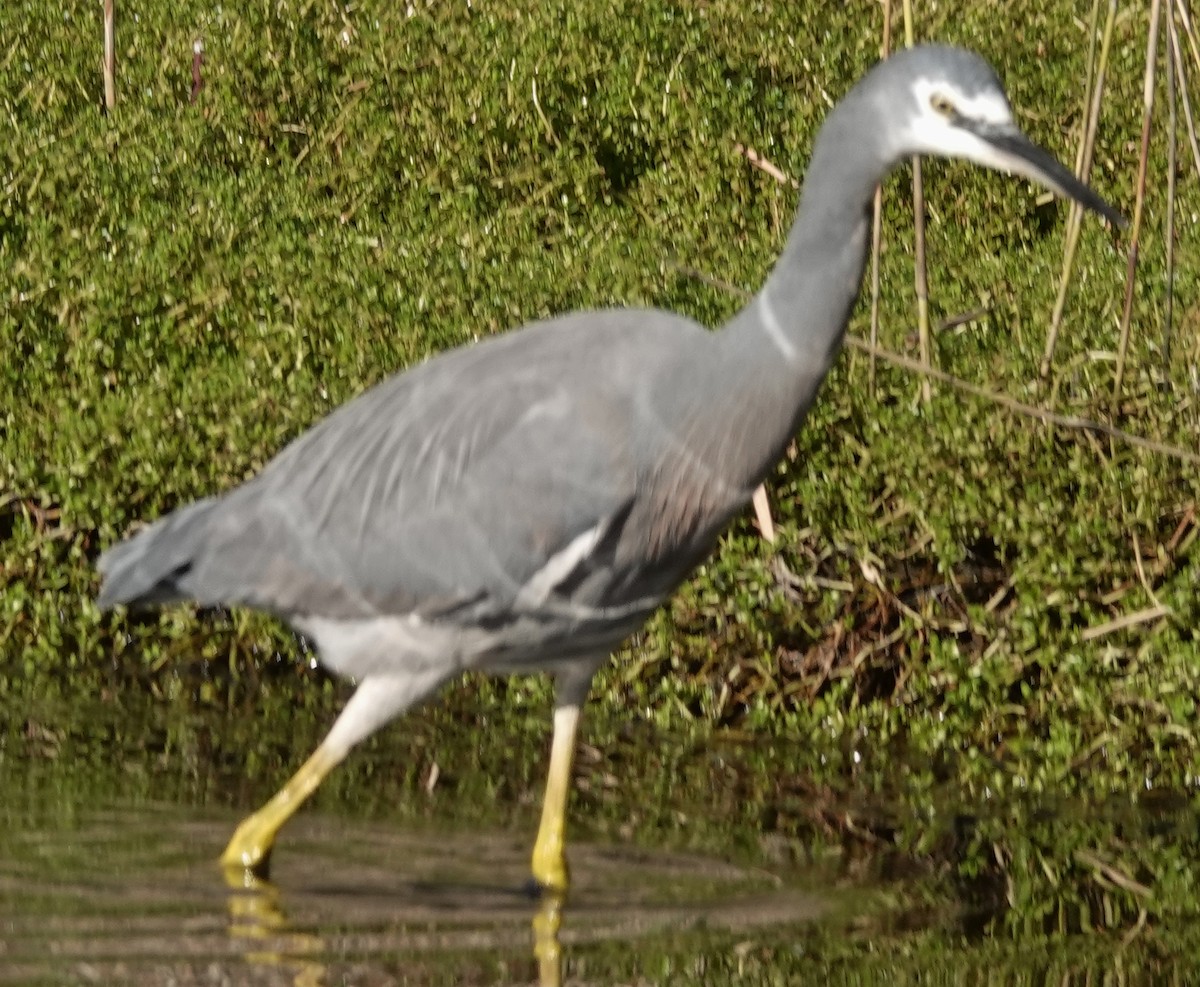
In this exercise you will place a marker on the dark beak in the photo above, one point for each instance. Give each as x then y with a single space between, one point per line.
1020 155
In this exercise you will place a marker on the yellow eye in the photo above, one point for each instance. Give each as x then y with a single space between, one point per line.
942 105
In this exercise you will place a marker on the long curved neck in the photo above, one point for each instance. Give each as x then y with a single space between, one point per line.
778 349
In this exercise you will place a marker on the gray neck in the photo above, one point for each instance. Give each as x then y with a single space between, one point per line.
777 350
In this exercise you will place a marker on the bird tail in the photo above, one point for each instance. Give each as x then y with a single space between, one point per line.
153 565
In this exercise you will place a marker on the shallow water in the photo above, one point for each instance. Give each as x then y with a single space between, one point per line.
112 819
131 894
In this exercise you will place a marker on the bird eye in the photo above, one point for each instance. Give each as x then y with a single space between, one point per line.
942 104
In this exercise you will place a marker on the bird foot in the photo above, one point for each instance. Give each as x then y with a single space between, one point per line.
249 850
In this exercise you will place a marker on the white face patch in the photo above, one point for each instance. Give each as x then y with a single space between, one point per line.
934 132
986 107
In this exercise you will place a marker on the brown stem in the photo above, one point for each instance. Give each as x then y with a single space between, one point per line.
877 221
197 64
920 277
1083 167
1172 124
1139 201
110 58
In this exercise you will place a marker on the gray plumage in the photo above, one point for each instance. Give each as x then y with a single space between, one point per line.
444 492
524 503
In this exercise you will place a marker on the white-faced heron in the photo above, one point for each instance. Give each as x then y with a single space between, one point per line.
524 503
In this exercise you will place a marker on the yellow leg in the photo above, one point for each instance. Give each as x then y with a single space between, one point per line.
377 700
250 848
549 860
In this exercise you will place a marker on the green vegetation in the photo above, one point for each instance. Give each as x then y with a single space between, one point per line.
185 286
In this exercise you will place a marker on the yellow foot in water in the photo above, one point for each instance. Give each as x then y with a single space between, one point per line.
250 848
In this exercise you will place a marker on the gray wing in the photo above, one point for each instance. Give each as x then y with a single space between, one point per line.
480 480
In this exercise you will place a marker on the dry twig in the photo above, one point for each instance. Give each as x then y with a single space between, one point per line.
1146 616
762 164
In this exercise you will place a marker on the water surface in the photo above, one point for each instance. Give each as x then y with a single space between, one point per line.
691 868
132 894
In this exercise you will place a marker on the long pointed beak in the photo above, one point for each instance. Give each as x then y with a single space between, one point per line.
1017 153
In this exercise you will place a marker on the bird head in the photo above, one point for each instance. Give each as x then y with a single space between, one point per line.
953 105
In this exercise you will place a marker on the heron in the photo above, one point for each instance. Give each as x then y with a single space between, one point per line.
524 503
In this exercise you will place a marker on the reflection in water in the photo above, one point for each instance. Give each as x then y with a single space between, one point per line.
547 949
255 914
133 896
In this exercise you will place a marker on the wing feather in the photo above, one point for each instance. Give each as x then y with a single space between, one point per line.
447 491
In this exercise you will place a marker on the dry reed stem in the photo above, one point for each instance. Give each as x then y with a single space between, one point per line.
1124 622
1091 84
1188 118
876 247
1137 929
1096 69
885 47
1138 203
920 276
110 57
1182 9
551 136
1043 415
762 513
1172 126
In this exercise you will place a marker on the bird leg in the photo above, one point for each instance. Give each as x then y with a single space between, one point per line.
549 860
377 700
250 847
